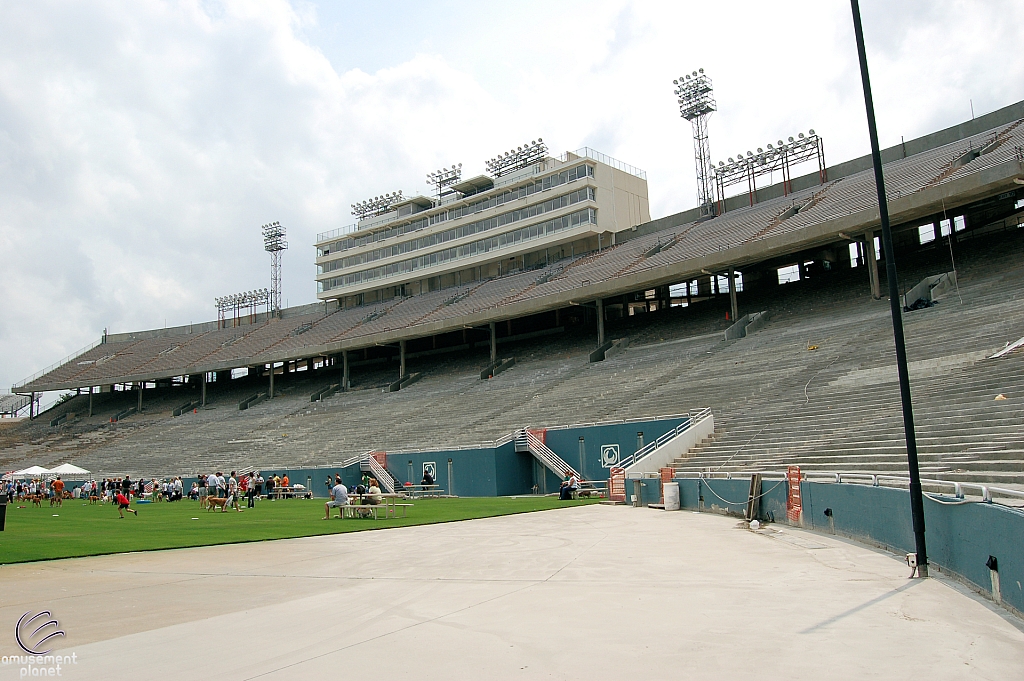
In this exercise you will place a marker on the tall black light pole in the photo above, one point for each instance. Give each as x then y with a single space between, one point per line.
916 498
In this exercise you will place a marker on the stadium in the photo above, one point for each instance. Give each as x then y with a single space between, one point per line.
693 361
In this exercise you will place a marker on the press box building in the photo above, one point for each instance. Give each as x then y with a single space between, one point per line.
482 227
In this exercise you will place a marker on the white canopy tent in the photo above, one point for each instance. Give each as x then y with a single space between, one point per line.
69 470
31 472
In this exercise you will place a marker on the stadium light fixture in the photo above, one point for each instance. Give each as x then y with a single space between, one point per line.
696 100
916 494
274 243
747 167
443 179
235 303
516 159
378 205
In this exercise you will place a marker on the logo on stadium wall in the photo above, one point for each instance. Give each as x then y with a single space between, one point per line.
609 456
430 467
34 632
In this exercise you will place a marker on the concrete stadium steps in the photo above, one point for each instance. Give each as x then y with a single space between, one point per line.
775 401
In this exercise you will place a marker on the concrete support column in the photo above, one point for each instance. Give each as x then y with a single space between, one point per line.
202 401
732 294
401 359
32 407
600 322
494 343
141 386
869 243
90 400
344 370
271 395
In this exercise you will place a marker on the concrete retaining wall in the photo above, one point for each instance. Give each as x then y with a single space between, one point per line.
960 537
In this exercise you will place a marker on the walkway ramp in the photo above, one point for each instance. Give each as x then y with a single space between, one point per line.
673 444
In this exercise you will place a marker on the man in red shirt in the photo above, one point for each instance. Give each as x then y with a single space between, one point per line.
122 505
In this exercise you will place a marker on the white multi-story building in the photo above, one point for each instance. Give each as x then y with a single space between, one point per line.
554 208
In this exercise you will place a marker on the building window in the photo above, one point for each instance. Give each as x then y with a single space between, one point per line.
789 274
959 224
926 233
543 184
556 203
496 242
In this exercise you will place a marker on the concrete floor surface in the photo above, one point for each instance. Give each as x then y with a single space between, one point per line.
594 592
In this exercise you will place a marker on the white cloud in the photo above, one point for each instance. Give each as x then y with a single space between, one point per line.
142 144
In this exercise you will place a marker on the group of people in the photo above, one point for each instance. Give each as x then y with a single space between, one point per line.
27 489
367 490
231 489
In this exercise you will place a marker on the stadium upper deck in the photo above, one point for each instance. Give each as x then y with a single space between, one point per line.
976 169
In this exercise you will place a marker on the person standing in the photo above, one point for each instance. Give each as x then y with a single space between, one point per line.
58 490
250 489
232 485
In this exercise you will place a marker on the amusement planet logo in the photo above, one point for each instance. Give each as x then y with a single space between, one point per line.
35 633
31 639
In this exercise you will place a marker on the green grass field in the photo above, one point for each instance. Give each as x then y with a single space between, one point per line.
77 529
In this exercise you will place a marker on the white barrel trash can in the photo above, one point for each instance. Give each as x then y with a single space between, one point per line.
671 496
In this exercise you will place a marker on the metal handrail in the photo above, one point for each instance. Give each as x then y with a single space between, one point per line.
587 152
987 493
611 422
55 365
340 231
651 447
382 475
548 457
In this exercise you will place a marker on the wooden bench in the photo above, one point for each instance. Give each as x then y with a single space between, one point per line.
404 508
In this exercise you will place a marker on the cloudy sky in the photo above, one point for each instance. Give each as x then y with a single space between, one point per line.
143 143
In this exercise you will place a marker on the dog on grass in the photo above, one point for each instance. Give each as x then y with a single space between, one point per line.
36 499
211 502
93 499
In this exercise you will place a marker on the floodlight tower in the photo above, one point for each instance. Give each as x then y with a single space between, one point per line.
443 179
696 102
274 243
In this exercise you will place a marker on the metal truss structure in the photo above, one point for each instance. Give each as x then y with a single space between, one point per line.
378 205
696 102
748 167
443 179
238 303
274 243
521 157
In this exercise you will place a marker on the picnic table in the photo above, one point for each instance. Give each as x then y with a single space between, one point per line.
282 492
420 490
389 502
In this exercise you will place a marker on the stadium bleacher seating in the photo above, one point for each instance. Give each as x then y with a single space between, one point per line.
776 402
816 386
258 343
